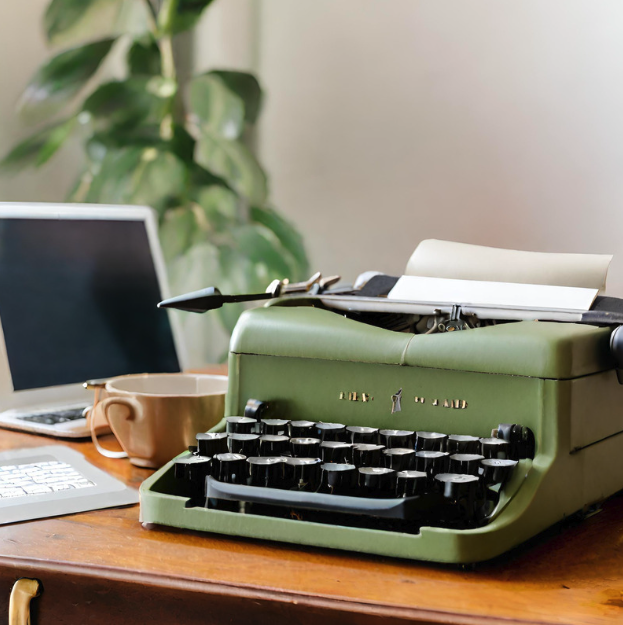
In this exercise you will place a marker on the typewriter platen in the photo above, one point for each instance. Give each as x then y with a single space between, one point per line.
448 446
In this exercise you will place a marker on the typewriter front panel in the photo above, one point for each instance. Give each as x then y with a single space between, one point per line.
366 394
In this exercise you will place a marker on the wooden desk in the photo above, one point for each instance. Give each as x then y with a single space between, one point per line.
103 567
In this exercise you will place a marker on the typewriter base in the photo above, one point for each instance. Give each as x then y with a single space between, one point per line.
161 506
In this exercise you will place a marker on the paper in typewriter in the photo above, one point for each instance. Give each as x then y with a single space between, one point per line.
461 261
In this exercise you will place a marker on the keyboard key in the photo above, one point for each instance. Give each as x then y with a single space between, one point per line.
411 483
212 443
275 427
377 482
336 452
330 432
365 455
399 458
397 438
301 429
303 473
241 425
496 470
431 462
305 447
267 472
430 441
363 435
338 479
494 448
463 444
230 468
274 445
468 464
245 444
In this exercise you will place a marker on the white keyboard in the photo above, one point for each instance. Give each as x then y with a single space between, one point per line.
47 481
37 478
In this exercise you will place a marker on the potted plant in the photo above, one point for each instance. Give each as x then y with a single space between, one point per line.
153 137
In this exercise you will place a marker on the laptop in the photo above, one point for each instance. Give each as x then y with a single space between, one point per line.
79 288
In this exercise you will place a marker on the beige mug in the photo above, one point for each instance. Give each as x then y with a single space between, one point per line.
157 416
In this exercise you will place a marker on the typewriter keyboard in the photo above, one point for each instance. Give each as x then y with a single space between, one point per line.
350 475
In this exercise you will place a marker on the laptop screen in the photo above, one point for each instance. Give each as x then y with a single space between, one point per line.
78 301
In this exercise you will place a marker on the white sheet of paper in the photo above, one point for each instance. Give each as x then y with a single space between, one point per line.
445 259
444 291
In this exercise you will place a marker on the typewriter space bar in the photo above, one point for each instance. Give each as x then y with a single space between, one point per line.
404 508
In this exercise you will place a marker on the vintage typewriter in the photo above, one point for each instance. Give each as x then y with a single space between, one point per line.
433 430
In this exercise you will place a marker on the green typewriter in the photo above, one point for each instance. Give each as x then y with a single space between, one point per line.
411 425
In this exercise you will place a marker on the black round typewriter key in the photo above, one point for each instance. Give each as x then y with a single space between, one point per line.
274 445
301 429
305 447
182 466
468 464
464 496
463 444
365 455
303 473
255 409
363 435
330 431
245 444
520 440
377 482
212 443
430 441
494 448
267 472
275 427
399 458
431 462
241 425
230 468
338 479
411 483
454 486
496 470
336 452
397 438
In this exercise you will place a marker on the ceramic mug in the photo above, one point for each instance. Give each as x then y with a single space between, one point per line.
156 416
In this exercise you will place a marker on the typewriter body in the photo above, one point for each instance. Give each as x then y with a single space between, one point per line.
552 385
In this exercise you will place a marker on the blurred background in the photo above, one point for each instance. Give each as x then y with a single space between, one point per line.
386 123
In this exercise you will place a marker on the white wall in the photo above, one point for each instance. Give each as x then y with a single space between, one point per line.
22 50
492 122
498 123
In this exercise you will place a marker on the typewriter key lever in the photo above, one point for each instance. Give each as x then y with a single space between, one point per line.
211 298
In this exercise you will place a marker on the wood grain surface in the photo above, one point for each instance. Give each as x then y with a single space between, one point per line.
104 563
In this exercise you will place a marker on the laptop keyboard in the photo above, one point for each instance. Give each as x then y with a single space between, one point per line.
54 417
38 478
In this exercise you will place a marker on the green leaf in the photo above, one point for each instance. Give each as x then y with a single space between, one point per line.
233 162
185 15
288 236
60 78
176 232
139 176
238 274
217 208
144 58
38 148
218 109
73 21
247 88
122 105
261 247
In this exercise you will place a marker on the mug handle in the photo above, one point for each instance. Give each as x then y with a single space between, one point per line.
103 406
